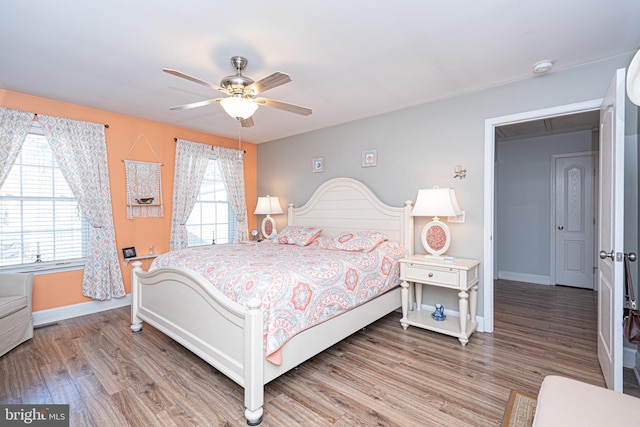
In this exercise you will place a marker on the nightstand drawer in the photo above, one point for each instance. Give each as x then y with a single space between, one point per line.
427 274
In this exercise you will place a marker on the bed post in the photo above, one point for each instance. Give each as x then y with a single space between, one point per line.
253 363
136 323
290 215
407 222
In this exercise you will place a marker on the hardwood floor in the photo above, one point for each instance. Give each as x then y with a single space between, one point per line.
381 375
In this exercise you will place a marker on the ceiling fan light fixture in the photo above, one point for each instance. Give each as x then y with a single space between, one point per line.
239 108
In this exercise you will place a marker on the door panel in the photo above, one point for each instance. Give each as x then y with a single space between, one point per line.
610 233
574 223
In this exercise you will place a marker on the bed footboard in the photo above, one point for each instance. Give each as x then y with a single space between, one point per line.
228 336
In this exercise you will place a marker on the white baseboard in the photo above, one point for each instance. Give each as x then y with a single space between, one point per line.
523 277
52 315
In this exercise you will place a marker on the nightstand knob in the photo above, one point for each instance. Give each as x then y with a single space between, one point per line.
430 274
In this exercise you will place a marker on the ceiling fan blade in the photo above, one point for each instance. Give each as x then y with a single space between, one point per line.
274 80
195 104
246 123
193 79
284 106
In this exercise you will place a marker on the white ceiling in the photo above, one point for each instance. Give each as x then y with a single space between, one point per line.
348 59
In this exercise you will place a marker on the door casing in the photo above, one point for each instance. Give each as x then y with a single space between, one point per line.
489 190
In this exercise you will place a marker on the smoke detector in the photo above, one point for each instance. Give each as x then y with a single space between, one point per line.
542 67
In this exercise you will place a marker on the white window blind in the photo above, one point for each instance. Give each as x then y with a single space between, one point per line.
41 225
212 218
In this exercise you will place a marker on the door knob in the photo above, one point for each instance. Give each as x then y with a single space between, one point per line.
605 255
632 256
561 227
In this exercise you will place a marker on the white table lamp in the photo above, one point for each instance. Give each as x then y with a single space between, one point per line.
268 206
435 236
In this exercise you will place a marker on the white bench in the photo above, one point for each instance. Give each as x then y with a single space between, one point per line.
563 402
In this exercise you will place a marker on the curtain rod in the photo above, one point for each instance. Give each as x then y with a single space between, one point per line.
106 125
176 140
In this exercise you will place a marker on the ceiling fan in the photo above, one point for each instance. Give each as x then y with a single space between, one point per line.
241 90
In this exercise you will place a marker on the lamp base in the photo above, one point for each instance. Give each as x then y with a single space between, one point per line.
435 238
268 228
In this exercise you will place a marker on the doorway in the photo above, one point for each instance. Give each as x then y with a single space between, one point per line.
490 209
544 228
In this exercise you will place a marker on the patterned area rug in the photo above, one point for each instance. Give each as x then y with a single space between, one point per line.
520 410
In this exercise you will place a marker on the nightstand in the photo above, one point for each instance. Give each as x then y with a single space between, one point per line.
460 275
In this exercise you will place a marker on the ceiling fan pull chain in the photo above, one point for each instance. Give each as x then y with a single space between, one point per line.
240 152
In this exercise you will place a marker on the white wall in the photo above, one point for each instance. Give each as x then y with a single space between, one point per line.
523 195
419 147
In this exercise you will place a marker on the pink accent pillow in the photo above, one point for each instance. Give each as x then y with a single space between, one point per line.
358 241
300 236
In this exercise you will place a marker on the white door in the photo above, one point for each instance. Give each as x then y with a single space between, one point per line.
574 220
610 233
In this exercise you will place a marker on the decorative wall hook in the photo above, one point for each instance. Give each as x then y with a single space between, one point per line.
459 172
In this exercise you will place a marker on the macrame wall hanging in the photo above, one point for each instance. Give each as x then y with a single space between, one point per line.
144 185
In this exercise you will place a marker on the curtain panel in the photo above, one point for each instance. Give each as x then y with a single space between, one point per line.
14 128
81 152
191 163
232 166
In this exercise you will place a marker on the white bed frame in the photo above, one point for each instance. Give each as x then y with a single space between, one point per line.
228 336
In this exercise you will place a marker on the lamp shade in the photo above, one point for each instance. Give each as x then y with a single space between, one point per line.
238 107
436 202
268 206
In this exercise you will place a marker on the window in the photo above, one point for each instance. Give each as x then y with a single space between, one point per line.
41 225
212 219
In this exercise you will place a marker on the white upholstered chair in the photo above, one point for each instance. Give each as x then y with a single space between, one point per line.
16 320
565 402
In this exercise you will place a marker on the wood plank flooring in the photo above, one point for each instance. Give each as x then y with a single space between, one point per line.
382 375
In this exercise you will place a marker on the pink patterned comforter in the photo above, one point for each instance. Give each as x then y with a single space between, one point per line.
299 286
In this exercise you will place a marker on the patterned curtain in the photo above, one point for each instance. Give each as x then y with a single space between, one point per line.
14 128
81 152
232 167
191 163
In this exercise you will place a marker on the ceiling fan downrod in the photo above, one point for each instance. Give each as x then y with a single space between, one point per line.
235 84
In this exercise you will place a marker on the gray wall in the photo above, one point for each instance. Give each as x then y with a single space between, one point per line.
419 147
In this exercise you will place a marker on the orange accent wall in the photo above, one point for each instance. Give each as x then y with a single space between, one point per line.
61 289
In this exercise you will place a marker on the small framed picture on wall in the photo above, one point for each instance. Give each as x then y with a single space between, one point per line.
317 165
129 252
369 158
